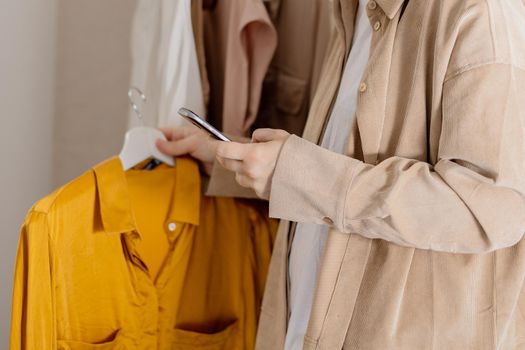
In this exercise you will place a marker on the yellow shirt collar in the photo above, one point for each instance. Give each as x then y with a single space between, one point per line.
114 204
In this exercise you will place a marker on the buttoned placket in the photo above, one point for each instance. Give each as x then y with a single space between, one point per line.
131 238
340 29
117 217
149 290
173 231
293 225
376 18
321 333
144 290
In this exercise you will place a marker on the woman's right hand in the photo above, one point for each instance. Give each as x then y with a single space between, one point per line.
189 140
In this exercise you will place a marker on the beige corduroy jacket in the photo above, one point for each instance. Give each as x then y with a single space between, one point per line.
428 207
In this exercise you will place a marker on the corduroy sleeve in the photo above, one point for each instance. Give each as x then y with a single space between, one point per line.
472 200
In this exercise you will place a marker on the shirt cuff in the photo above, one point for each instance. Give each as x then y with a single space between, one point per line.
310 184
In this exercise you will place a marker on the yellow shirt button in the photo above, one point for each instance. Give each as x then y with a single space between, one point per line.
372 5
377 26
172 226
363 87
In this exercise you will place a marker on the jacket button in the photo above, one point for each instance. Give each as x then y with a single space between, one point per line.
372 5
328 221
377 26
363 87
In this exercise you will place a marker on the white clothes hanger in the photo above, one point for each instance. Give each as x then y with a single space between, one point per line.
139 142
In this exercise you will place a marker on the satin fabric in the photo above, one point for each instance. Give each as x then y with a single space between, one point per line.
83 278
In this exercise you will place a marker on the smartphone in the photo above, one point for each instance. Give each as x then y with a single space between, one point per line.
202 124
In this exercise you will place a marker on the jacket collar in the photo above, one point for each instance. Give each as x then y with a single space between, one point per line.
345 11
114 202
390 7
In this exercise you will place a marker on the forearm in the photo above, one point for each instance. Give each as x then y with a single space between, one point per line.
411 203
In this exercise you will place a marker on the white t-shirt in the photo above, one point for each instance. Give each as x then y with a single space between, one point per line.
309 239
164 62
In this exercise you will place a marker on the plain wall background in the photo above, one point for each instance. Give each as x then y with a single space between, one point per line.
64 73
27 62
94 64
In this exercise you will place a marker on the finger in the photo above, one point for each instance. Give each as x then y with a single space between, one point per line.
176 148
265 135
230 164
167 132
243 180
232 150
212 144
174 134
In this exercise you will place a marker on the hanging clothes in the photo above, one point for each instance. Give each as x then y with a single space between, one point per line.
240 40
304 28
164 61
84 276
197 20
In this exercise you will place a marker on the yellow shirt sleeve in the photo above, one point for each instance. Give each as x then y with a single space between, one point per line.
33 315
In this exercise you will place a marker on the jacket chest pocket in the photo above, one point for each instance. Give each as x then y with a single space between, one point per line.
283 103
292 94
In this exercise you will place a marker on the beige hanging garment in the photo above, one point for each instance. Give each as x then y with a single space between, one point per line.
240 41
304 28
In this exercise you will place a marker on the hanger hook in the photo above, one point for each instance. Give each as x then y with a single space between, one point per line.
134 106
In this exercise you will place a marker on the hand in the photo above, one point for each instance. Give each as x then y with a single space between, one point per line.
189 140
253 163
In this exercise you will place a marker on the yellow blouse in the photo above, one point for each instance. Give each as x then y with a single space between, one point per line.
140 260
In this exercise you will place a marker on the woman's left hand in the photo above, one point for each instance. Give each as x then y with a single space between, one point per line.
253 163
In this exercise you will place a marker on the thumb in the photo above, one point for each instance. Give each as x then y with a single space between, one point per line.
266 135
212 144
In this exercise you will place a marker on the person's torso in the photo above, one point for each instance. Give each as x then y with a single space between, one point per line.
308 239
403 298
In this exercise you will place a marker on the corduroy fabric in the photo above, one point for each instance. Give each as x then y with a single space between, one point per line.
428 206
